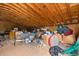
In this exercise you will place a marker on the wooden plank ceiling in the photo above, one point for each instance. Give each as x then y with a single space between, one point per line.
39 14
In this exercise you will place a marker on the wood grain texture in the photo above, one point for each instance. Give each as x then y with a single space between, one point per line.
39 14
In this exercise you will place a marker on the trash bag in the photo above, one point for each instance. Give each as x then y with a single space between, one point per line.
55 50
61 29
27 40
38 41
69 32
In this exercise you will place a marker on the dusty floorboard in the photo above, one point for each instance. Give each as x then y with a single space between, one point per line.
24 50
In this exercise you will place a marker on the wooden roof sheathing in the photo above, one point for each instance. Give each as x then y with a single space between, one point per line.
39 14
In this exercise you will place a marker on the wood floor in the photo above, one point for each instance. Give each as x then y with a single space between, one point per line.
22 49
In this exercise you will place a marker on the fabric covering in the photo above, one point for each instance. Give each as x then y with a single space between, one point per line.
73 49
61 29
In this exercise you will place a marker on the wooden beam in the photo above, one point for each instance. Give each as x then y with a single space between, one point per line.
57 7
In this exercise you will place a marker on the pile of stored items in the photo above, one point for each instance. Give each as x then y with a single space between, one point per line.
25 36
62 40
